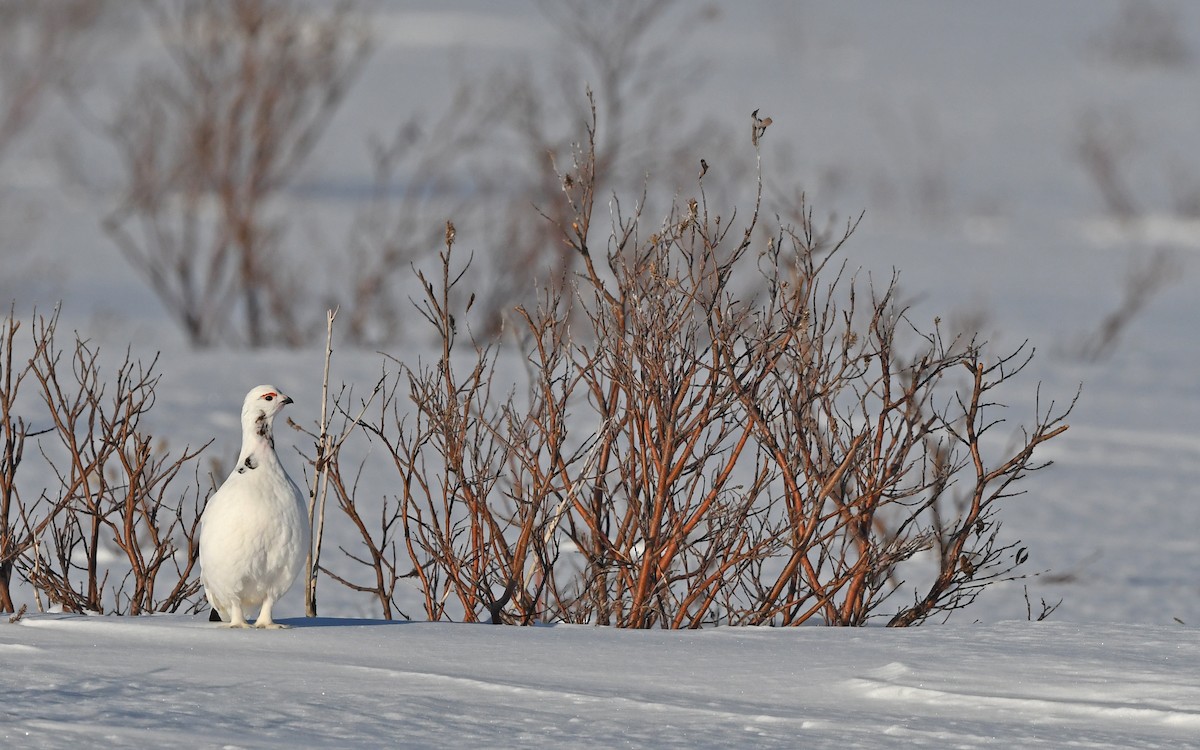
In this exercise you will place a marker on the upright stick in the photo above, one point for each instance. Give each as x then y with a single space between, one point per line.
316 516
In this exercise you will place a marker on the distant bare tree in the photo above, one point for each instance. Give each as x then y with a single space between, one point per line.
420 175
1149 272
1144 33
497 148
42 46
36 56
208 147
1105 148
637 86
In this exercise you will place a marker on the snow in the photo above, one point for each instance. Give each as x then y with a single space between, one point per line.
174 681
980 103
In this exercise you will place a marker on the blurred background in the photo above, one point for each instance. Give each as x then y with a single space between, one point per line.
1027 167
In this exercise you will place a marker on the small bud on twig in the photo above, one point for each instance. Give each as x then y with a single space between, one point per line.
758 126
966 566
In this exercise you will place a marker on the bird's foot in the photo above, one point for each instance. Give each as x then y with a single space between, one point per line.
242 624
272 626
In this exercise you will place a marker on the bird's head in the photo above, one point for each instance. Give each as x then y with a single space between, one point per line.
262 404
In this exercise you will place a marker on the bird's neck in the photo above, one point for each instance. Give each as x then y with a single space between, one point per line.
258 439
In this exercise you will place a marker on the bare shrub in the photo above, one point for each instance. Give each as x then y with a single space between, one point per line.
377 553
780 459
14 430
208 148
326 464
462 526
450 457
699 443
118 533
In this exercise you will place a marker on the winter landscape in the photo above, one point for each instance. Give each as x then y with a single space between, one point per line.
1029 171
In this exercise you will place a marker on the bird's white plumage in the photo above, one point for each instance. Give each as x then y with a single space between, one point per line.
254 534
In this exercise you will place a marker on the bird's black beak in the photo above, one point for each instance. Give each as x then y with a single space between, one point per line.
287 400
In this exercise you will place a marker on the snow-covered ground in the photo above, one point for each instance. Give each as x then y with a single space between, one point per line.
956 127
171 681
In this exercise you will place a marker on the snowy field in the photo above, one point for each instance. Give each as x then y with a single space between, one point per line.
171 681
955 127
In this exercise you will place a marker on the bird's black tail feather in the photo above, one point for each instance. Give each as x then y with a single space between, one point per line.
214 616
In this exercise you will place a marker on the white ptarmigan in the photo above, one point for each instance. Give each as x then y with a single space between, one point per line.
254 534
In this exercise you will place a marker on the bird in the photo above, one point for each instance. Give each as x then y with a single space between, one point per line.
254 532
